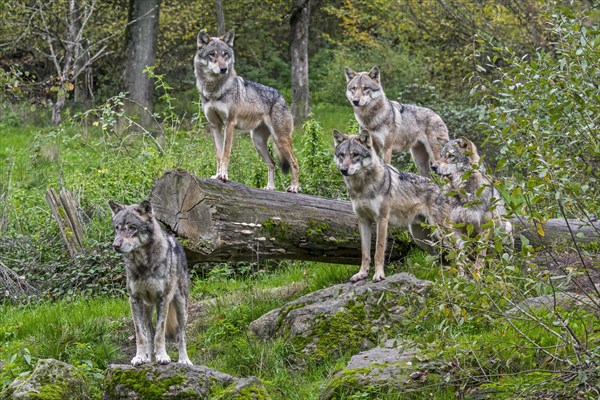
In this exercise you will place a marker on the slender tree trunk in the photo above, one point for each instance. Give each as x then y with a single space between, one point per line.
71 54
299 22
220 18
141 52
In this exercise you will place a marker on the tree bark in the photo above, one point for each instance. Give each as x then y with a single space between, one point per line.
142 35
220 18
219 221
299 21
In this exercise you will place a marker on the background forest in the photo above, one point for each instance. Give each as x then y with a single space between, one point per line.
521 78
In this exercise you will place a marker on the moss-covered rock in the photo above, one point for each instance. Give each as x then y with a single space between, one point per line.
392 372
245 389
50 380
345 317
152 381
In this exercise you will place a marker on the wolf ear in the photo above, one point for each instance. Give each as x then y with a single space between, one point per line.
338 137
463 142
228 38
374 74
115 207
365 138
144 207
203 39
349 74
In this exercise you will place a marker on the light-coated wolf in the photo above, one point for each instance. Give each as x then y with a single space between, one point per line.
231 102
157 277
477 206
383 195
395 126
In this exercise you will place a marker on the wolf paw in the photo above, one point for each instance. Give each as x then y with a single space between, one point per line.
292 189
185 361
378 277
139 360
358 277
221 177
163 359
270 187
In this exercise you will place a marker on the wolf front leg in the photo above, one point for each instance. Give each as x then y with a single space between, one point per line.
226 154
143 335
382 228
217 133
181 311
159 337
364 226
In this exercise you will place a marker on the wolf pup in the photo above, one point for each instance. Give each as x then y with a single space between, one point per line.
381 194
475 201
231 102
395 126
157 276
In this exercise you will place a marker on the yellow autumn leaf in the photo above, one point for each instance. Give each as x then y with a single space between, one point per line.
540 228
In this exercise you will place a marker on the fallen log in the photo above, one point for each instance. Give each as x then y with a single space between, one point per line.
219 221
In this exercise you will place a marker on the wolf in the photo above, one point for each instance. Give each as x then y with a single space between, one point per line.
475 201
231 102
383 195
157 277
395 126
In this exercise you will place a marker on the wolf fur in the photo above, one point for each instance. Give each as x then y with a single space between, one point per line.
383 195
395 126
475 201
231 102
157 277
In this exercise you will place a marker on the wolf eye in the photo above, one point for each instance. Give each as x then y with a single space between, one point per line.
354 155
365 88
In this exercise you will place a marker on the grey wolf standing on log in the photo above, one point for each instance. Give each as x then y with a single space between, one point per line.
157 277
231 102
475 201
395 126
381 194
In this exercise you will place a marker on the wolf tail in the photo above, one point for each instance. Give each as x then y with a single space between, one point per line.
284 164
172 324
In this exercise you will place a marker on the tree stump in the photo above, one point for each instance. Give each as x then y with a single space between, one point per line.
219 221
64 211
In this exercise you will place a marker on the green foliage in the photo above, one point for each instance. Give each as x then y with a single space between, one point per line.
317 171
543 117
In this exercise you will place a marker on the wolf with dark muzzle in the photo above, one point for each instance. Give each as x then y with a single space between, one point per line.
157 277
395 126
231 102
383 195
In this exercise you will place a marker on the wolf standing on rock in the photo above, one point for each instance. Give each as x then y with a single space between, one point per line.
157 276
395 126
231 102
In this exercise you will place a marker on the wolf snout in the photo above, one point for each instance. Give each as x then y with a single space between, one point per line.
117 247
223 70
356 102
344 171
434 168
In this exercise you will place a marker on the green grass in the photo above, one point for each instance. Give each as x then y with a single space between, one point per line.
68 331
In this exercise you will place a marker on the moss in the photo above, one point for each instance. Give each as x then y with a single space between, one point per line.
245 393
276 229
51 391
317 231
138 381
346 330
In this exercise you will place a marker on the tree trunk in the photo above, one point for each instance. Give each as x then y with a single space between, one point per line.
220 18
231 222
299 21
141 53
